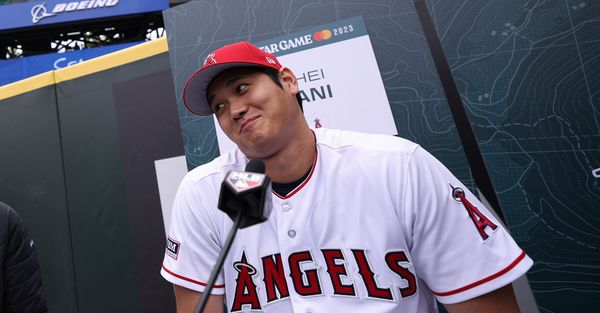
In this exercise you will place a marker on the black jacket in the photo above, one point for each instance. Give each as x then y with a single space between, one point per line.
21 289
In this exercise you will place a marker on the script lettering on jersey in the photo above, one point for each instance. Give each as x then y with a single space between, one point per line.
306 279
312 286
274 278
337 271
245 291
394 261
368 276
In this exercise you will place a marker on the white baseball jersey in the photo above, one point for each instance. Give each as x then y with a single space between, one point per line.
375 227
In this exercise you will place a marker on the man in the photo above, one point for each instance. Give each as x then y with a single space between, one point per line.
21 289
360 222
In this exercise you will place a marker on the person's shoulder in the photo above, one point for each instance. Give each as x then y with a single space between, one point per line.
217 168
338 139
9 220
4 208
7 213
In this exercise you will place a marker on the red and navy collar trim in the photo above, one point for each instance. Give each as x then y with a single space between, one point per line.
312 170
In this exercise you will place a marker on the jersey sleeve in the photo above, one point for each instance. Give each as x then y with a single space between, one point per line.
458 247
194 239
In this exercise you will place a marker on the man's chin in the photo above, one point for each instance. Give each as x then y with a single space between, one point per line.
256 150
251 146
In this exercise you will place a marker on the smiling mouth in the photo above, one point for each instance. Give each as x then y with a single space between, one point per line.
247 122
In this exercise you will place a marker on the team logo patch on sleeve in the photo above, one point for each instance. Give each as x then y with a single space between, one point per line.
172 248
480 221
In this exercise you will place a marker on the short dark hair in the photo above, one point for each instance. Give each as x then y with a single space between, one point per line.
274 74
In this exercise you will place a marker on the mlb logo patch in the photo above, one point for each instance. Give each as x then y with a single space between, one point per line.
172 248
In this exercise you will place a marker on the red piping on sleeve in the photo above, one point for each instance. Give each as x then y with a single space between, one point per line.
189 279
485 280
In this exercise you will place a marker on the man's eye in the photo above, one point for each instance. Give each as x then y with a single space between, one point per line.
241 87
217 107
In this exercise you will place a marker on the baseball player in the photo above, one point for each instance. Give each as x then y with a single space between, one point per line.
360 222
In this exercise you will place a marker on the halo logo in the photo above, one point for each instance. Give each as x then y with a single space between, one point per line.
322 35
210 59
596 172
38 12
318 123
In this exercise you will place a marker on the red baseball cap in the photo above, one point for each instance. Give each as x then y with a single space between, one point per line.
238 54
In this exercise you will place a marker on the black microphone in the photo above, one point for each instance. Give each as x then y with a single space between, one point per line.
246 198
248 193
255 166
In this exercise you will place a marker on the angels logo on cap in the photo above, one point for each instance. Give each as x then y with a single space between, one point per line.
210 59
239 54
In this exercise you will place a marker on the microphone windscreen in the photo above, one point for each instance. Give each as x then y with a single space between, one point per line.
255 166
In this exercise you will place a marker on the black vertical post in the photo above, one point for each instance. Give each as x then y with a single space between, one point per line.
459 114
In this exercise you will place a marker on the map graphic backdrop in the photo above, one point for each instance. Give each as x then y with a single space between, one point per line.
527 73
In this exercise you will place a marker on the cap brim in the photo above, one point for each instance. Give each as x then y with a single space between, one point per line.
194 92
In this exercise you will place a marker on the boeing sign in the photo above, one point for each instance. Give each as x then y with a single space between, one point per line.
33 13
39 11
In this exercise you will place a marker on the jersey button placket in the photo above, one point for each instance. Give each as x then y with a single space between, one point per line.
291 233
288 243
286 207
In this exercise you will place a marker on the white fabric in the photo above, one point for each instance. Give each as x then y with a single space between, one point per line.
368 195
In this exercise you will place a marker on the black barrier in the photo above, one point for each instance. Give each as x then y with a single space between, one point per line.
79 166
32 181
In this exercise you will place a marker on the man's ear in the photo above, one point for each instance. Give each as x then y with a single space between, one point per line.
288 80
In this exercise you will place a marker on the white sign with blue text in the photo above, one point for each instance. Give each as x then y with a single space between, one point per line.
339 80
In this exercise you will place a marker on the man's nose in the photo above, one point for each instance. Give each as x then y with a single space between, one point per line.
238 107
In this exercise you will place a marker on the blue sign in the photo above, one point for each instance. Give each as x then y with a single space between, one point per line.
35 13
21 68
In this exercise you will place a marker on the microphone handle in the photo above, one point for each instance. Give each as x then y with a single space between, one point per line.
215 273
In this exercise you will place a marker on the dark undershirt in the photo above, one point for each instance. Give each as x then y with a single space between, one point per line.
283 189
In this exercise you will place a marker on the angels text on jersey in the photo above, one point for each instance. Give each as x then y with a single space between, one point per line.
307 280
